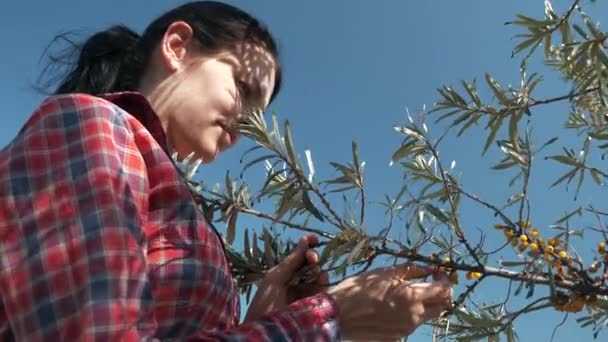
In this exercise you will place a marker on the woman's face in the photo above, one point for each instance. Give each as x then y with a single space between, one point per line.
202 96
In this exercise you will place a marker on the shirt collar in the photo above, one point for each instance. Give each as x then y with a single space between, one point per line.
139 107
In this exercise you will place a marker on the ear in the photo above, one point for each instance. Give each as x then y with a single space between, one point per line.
175 44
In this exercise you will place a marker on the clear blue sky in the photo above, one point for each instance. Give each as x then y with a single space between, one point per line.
351 68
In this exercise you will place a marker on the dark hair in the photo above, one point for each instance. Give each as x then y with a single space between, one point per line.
115 59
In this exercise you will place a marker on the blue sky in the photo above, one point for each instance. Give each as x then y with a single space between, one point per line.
351 69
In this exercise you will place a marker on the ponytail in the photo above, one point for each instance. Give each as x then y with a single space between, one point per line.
104 63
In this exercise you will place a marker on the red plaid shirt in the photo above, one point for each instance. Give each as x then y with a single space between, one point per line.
100 239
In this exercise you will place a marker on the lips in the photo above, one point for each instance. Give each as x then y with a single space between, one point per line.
227 138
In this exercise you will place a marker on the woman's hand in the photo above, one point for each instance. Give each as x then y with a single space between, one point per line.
385 304
274 292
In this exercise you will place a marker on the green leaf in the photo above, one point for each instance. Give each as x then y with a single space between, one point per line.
565 160
231 230
492 134
509 331
459 99
350 187
411 132
441 244
470 88
275 126
246 246
503 166
356 162
406 150
229 185
400 194
547 39
436 212
596 176
514 132
599 136
311 207
402 151
268 252
565 32
289 144
549 142
497 90
527 43
340 180
288 201
580 183
355 253
328 250
568 175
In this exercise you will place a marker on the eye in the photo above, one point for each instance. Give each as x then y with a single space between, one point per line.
244 90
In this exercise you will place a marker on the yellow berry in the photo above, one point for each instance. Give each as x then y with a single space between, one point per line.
523 246
499 226
454 278
523 237
540 241
534 233
578 303
562 254
549 249
601 245
547 256
476 275
508 232
469 275
533 247
513 242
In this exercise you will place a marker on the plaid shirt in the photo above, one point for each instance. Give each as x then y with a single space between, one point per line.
100 239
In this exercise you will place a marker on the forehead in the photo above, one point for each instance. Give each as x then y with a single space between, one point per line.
254 65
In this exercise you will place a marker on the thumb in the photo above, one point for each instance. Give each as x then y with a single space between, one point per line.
291 264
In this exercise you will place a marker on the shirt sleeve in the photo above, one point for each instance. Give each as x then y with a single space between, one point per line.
73 249
309 319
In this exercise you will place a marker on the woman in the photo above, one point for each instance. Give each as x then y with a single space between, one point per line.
101 240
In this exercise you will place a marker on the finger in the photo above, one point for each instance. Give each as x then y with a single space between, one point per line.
321 284
432 312
439 275
313 240
294 261
312 257
323 281
412 271
435 292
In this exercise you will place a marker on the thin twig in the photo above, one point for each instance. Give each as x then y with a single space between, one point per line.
557 327
286 223
497 272
454 215
488 205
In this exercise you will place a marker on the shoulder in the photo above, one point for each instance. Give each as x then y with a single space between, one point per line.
69 123
69 110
